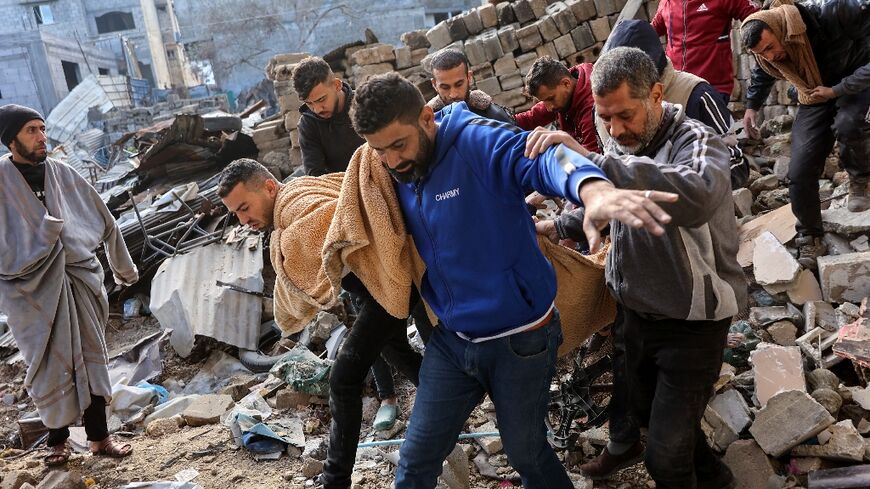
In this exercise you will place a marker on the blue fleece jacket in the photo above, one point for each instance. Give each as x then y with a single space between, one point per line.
485 273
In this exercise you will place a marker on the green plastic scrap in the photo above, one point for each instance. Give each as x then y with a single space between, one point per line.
739 355
304 372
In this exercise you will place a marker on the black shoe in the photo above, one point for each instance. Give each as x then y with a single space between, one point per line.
809 249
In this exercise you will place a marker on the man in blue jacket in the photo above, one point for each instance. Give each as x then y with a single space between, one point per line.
461 181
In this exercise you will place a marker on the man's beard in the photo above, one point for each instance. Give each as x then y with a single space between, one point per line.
651 126
31 154
416 169
447 101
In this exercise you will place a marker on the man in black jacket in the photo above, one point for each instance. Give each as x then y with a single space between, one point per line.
325 133
452 80
823 49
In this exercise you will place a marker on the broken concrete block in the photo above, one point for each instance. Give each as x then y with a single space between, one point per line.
164 426
836 244
767 182
547 49
505 13
57 479
439 36
564 46
488 15
727 416
529 37
830 399
455 470
481 71
776 369
207 409
511 82
819 314
861 243
403 57
842 221
583 37
780 167
762 316
291 120
491 45
845 444
600 28
474 52
291 399
547 28
473 23
845 278
311 467
563 17
862 397
362 73
788 419
784 333
606 7
583 9
490 444
508 39
772 264
374 54
170 408
539 7
15 479
415 39
457 29
751 467
805 289
523 11
742 201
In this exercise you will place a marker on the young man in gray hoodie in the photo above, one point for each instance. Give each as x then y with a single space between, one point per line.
676 293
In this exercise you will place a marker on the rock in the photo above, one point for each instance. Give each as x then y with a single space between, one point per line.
767 182
164 426
315 448
819 314
805 289
580 481
783 333
751 467
845 444
845 278
822 378
455 471
843 221
311 467
780 167
742 201
862 397
170 408
207 409
773 199
861 243
836 244
57 479
290 399
15 479
392 432
788 419
762 316
772 264
415 39
776 369
830 399
491 444
727 415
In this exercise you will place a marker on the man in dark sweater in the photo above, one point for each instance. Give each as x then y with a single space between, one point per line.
325 133
452 80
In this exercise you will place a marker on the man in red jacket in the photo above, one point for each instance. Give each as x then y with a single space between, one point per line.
564 95
699 37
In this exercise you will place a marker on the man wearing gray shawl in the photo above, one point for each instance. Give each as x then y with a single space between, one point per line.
51 283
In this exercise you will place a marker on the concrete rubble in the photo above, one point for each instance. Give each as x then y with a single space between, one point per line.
789 418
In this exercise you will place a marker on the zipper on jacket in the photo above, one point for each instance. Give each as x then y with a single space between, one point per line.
418 191
685 35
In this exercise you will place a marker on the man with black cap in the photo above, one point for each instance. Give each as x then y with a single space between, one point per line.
51 283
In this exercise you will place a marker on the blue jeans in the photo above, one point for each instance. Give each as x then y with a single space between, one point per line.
515 371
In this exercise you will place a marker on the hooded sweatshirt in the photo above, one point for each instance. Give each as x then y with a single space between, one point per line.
485 273
691 272
328 144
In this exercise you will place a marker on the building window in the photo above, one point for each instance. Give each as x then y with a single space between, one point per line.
170 54
103 71
43 14
114 22
71 73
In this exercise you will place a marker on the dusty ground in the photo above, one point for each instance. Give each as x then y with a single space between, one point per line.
209 450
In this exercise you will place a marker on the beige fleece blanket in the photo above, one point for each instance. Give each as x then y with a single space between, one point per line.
51 286
355 222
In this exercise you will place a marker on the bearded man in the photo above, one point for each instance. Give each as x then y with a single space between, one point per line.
676 292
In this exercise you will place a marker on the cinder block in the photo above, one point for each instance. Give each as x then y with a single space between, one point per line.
583 9
291 120
547 49
488 15
564 46
583 37
505 65
529 37
491 45
525 62
490 86
403 57
482 71
377 53
606 7
505 13
523 11
439 36
457 29
508 39
563 17
415 39
511 82
548 28
417 56
539 7
475 52
600 28
473 24
510 98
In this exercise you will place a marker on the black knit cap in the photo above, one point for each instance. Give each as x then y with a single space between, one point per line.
639 34
13 118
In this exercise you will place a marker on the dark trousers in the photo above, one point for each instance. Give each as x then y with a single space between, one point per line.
94 420
816 127
374 333
664 372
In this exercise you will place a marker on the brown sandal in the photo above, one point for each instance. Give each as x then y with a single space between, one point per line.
113 449
57 455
